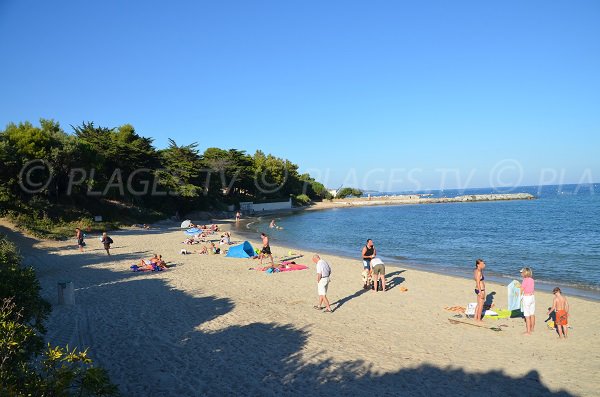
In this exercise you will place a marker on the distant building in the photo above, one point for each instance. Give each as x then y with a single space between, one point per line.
333 192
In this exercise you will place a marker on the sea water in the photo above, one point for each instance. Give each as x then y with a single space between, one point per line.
557 234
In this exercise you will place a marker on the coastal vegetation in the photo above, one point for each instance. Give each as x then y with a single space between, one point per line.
347 192
52 181
27 368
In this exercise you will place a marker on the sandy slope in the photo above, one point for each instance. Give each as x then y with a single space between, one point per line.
211 326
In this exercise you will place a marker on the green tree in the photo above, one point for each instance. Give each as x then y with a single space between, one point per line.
182 168
347 191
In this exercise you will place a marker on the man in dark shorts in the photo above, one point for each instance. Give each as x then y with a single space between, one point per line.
368 253
266 249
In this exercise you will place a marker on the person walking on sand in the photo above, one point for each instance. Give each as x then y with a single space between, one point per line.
527 288
79 236
368 253
561 308
378 269
323 274
107 241
266 249
238 215
479 288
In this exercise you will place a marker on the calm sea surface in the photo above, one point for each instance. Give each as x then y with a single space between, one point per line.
558 235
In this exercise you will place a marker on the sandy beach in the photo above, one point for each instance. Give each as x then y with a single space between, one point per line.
211 326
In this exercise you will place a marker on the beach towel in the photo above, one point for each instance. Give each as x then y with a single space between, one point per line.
193 231
288 268
291 268
505 313
514 296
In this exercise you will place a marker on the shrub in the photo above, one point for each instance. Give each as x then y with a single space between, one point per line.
302 199
26 370
347 191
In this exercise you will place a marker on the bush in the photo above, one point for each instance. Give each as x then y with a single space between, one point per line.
347 191
26 370
302 199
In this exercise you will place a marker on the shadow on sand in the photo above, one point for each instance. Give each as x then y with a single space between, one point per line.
164 342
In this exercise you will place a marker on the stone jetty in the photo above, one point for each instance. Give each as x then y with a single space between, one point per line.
418 199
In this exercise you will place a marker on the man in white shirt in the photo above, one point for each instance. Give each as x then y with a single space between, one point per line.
323 274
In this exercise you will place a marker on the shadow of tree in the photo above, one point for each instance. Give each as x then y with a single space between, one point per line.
156 340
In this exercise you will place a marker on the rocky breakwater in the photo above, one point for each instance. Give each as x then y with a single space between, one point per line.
417 199
479 197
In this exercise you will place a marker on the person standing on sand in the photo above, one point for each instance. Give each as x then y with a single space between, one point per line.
266 249
107 241
479 288
79 237
527 288
323 274
368 253
238 215
561 308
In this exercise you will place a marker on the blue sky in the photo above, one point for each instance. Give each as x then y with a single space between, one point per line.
384 95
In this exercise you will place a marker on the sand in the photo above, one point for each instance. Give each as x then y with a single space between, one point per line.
211 326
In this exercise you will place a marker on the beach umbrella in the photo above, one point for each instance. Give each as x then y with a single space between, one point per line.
186 223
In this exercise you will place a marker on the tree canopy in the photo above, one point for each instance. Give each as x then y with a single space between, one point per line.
46 168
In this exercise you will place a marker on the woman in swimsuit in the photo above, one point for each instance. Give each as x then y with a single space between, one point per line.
479 287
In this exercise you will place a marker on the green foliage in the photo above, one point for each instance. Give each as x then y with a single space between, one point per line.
96 165
26 369
20 283
181 172
56 371
302 199
347 191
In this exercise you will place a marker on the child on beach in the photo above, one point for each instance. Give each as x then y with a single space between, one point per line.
527 289
107 241
79 236
561 308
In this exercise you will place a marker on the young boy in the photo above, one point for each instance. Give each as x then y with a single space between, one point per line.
561 307
107 241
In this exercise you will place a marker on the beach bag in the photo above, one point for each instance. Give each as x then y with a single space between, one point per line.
470 311
109 240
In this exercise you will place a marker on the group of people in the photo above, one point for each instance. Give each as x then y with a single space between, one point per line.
373 276
373 271
211 249
105 240
155 263
560 306
373 268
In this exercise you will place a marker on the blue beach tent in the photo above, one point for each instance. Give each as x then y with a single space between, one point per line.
244 250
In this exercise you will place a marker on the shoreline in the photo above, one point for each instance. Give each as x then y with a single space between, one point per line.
589 294
212 319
